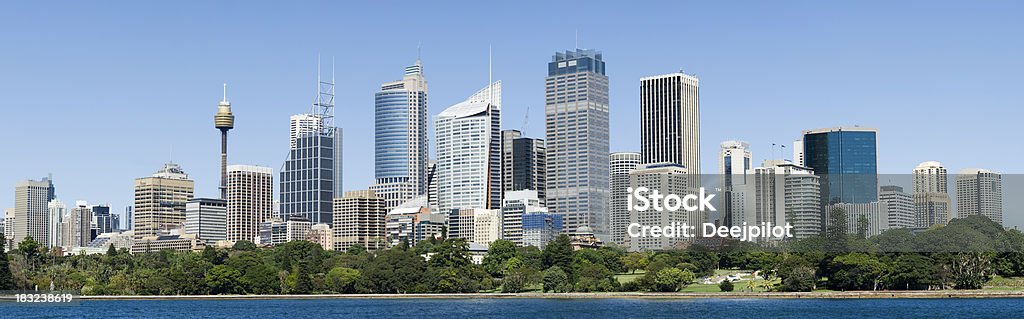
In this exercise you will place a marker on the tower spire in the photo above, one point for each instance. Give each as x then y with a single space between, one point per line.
225 93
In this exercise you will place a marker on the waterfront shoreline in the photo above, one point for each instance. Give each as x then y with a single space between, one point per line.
613 295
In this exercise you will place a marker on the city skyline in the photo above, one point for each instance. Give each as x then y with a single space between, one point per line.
192 94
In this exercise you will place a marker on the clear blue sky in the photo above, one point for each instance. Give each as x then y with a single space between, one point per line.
100 93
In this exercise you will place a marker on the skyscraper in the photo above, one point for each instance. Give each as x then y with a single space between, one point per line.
103 219
576 127
75 227
160 201
312 174
733 163
469 152
670 121
224 121
899 205
932 205
359 219
514 206
620 165
846 160
30 208
523 161
979 192
779 192
400 138
206 217
57 210
250 200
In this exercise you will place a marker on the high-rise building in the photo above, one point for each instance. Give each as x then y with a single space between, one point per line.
9 218
312 175
30 206
115 222
102 219
979 192
321 234
359 219
400 138
412 222
513 207
576 129
207 218
76 226
798 152
667 178
899 205
620 165
250 200
224 121
432 185
670 121
129 218
57 210
523 161
486 226
846 160
160 201
469 152
779 192
733 162
932 204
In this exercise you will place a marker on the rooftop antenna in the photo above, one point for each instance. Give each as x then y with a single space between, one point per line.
490 90
225 92
419 51
577 38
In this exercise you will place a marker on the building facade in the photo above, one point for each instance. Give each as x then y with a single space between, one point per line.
57 210
207 219
620 165
670 121
311 176
160 201
523 161
667 178
899 205
868 218
469 152
250 200
846 160
932 204
514 206
576 129
400 138
359 219
32 213
979 192
734 160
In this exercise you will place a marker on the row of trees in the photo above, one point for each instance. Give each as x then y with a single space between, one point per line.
962 255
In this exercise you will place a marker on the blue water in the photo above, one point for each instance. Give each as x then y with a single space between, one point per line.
530 308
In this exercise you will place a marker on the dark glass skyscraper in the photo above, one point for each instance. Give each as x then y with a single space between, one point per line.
847 161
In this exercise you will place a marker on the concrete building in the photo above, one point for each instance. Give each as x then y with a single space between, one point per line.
779 192
667 178
359 219
412 222
160 201
620 165
174 240
576 129
102 220
469 152
932 204
670 121
9 221
899 205
514 206
846 159
57 210
798 153
276 231
734 160
30 206
400 138
76 226
523 164
321 234
869 217
979 192
250 200
486 226
207 218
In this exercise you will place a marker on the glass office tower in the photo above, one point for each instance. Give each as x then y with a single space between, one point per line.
847 160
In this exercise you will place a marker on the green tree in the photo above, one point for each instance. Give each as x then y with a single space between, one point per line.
223 279
498 253
111 251
243 245
558 252
856 271
672 279
634 261
341 279
862 227
31 249
835 231
725 286
214 256
557 280
6 278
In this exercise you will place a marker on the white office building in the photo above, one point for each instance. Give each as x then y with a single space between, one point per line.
469 152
